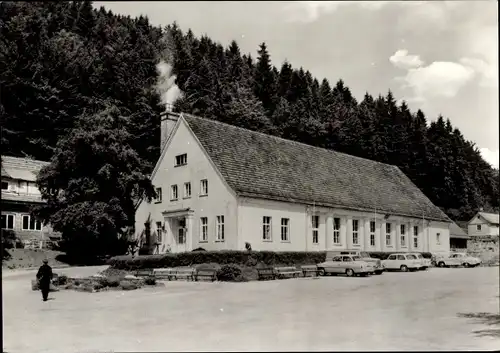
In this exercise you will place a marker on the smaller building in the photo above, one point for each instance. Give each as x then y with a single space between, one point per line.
19 194
458 238
485 225
484 234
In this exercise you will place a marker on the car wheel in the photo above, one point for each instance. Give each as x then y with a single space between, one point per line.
441 264
349 272
466 265
379 272
404 268
321 272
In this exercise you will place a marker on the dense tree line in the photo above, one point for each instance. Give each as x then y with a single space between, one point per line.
65 64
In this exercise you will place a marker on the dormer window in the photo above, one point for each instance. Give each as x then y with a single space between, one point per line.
181 159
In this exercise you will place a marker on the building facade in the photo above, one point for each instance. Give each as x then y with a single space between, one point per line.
484 224
220 187
19 194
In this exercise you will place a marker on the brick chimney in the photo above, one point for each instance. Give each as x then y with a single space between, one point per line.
168 121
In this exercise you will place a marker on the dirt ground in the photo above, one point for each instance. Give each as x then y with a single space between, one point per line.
432 310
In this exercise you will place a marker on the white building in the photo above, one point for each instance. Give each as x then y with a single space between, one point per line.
221 186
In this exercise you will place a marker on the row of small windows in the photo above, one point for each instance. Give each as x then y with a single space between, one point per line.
29 222
285 231
174 191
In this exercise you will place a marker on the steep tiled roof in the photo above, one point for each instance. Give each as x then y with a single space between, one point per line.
492 218
21 168
264 166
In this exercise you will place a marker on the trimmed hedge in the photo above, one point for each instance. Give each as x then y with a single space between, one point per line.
246 258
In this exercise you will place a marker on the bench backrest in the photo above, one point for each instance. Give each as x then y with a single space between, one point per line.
265 270
185 270
284 269
206 271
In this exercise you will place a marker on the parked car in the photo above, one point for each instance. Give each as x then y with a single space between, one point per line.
458 259
404 262
424 263
365 256
350 265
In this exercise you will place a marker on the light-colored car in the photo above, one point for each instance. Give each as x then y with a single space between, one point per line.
424 263
403 261
458 259
349 265
365 256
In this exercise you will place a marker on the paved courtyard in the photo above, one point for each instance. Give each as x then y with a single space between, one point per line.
395 311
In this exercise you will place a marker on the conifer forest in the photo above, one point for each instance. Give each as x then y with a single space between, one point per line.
83 88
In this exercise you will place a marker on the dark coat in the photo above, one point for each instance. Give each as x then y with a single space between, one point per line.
44 274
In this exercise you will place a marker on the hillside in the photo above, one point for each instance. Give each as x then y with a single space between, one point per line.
66 60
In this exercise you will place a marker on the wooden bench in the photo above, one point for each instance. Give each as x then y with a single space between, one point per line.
164 273
187 273
283 272
144 273
265 273
206 273
313 269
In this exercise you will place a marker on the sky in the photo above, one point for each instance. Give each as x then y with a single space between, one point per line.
439 56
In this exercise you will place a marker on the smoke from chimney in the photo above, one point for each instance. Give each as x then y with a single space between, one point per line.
165 86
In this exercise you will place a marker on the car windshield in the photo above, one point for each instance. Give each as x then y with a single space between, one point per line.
357 258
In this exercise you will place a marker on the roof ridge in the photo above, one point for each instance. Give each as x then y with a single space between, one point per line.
286 140
24 159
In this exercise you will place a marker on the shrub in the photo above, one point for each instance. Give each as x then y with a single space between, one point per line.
224 257
128 285
150 281
230 273
61 280
199 249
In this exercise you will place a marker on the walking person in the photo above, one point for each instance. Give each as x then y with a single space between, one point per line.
44 277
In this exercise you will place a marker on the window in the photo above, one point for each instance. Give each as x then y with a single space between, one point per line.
315 229
355 232
203 229
181 160
337 258
30 223
411 257
173 193
372 233
159 231
415 236
158 195
336 230
285 229
5 185
478 227
204 187
8 221
403 235
391 257
346 258
388 240
401 257
187 190
181 236
438 238
266 228
220 228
